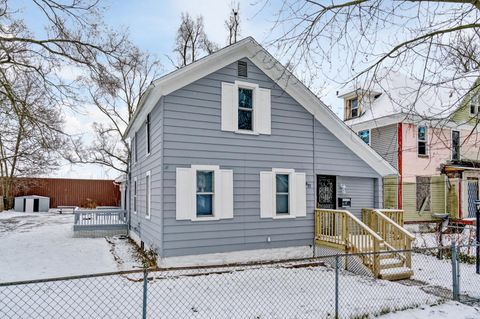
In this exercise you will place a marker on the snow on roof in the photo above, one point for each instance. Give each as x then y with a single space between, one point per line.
31 196
397 93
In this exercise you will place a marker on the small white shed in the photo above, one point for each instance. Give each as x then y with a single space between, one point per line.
32 203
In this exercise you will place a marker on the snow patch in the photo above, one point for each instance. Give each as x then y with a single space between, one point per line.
245 256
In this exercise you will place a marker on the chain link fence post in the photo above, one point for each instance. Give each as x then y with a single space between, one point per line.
144 299
337 293
455 273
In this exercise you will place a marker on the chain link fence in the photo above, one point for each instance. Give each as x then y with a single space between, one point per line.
332 286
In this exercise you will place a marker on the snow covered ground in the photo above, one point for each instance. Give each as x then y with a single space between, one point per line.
448 310
436 272
41 245
254 292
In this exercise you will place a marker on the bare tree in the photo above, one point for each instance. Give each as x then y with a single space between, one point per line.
191 41
233 23
31 132
33 86
433 42
117 101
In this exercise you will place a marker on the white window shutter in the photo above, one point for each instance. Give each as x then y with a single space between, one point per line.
267 194
263 115
229 108
299 195
223 194
185 194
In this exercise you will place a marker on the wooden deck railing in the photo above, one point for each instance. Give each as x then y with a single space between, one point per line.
341 229
369 216
392 232
99 218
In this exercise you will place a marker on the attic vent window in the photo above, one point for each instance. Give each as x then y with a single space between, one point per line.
242 68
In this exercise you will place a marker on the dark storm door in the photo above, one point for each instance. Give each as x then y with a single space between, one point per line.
326 192
36 204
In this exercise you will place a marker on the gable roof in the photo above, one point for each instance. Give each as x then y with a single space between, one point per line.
400 97
249 48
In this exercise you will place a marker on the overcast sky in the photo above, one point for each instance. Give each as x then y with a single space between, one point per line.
152 25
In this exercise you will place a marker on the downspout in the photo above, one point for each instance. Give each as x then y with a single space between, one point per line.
400 165
128 191
314 182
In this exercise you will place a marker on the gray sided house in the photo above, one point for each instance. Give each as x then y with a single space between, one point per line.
232 153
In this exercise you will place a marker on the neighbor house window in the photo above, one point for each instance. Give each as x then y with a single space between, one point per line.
455 145
245 109
205 192
148 194
353 103
423 193
473 109
474 105
147 128
422 141
281 194
365 136
135 195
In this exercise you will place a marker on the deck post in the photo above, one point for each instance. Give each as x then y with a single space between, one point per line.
337 293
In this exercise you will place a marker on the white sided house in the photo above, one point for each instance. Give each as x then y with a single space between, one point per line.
232 154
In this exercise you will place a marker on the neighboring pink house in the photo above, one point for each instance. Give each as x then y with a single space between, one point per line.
430 136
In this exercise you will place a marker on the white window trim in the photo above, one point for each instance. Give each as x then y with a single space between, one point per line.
470 109
254 87
147 137
214 169
475 102
427 149
135 193
289 172
149 199
459 145
369 135
356 108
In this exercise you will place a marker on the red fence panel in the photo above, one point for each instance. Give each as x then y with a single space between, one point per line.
71 192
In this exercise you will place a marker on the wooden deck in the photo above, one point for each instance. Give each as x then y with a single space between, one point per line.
380 239
95 223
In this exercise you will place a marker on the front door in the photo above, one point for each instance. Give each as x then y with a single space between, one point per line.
326 192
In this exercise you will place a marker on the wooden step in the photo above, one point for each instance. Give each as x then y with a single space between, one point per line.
387 256
399 273
389 263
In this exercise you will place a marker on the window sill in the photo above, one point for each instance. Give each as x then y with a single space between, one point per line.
246 132
284 217
423 156
199 219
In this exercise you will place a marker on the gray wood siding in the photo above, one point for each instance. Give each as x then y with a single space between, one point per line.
332 157
192 135
361 190
149 229
384 141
